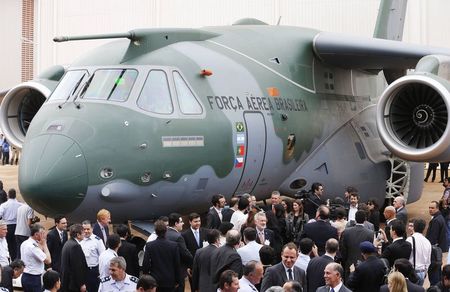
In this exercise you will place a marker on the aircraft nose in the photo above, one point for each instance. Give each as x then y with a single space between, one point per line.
53 174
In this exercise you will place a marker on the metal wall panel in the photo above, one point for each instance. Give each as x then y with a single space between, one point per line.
10 42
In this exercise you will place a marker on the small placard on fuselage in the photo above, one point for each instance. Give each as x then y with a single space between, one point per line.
183 141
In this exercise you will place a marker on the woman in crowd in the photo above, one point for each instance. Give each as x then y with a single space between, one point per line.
374 213
397 282
295 221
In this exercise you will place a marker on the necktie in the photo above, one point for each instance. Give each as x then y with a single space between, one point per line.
104 234
331 290
290 274
197 237
61 234
261 237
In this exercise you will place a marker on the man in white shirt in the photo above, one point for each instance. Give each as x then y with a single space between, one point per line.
306 247
24 220
35 254
8 212
238 218
250 251
93 247
4 253
113 243
421 250
354 198
253 273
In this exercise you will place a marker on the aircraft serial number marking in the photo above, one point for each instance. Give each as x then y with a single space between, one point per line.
256 103
183 141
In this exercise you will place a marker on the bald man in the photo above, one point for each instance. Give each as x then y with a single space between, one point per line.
389 213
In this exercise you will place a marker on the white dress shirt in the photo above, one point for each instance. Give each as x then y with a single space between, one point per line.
4 253
302 261
249 252
8 211
237 219
92 247
423 251
103 262
246 286
33 257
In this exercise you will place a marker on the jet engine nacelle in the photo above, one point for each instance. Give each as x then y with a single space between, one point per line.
413 116
22 102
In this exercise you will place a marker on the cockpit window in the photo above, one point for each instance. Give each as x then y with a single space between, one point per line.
155 96
68 85
110 84
188 103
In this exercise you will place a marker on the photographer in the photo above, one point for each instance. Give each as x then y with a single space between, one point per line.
314 199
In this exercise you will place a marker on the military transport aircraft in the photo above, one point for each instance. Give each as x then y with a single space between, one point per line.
160 120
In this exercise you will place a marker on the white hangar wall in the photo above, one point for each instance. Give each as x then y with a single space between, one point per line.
426 22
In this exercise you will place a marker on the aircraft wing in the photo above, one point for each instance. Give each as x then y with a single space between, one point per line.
354 52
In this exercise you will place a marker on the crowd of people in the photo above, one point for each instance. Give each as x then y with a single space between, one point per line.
305 244
9 154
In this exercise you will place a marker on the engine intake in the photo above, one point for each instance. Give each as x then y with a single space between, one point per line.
412 118
18 108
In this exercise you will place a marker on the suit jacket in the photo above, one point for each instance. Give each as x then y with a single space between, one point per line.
162 261
225 258
387 230
98 231
314 272
201 270
268 235
319 231
327 289
190 241
227 214
349 244
73 266
437 231
55 247
368 276
410 286
129 251
402 215
397 250
7 277
276 276
212 219
186 257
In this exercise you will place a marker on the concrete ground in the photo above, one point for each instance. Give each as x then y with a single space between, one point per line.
419 209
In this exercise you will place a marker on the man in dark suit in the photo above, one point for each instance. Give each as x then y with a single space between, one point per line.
400 208
194 238
73 262
321 230
227 213
101 228
350 240
128 251
173 234
437 235
405 267
314 200
314 271
285 271
215 216
201 270
162 260
399 248
56 238
226 257
369 275
264 235
333 278
275 198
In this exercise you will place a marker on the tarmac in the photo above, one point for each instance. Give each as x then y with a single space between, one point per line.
418 209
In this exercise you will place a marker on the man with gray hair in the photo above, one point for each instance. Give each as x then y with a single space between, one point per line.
253 273
118 280
333 279
226 257
400 209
